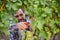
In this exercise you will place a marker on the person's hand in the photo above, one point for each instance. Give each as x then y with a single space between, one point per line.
22 25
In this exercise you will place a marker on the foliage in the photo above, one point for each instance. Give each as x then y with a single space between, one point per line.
46 14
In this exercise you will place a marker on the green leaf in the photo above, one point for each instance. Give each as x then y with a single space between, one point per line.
47 10
13 0
43 34
40 25
14 7
52 24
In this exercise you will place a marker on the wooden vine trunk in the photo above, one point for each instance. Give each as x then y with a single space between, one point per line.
3 36
3 4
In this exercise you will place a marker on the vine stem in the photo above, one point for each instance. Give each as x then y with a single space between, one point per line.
2 7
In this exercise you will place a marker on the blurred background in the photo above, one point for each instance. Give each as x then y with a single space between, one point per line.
44 14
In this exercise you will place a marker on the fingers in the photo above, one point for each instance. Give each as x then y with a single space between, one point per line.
22 25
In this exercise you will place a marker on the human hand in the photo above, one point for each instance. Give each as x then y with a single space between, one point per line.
22 25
